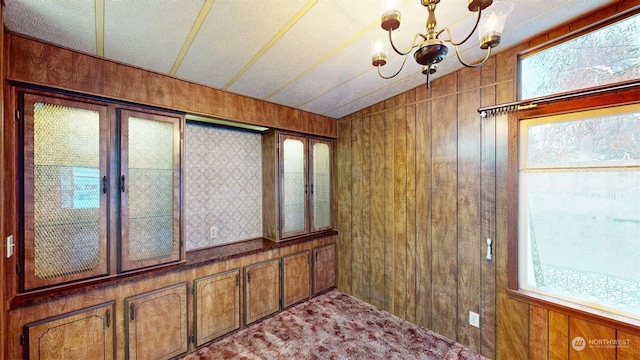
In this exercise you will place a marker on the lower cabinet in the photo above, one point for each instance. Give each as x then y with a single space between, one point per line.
296 278
216 305
84 334
262 290
324 268
156 323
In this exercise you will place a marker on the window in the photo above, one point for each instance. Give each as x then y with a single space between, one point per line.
571 65
579 208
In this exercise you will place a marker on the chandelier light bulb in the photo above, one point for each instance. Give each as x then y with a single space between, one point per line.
492 24
379 52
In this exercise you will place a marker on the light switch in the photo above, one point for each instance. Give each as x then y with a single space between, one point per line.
10 246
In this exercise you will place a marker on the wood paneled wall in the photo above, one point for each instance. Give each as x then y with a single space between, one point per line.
40 63
414 208
3 249
421 185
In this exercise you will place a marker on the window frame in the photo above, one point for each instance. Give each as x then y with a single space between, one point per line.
595 26
600 100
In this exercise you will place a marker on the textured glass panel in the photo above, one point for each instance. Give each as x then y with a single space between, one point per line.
321 186
150 187
601 140
293 183
66 190
572 65
579 216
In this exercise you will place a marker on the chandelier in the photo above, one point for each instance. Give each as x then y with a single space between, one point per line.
431 49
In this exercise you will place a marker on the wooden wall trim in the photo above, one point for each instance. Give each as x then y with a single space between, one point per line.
35 62
3 190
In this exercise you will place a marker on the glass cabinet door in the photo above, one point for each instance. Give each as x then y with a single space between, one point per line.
320 185
293 185
149 189
65 190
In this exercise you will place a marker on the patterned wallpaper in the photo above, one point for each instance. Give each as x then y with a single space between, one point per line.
223 185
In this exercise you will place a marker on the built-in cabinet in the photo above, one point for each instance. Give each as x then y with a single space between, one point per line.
102 199
84 334
149 188
296 278
152 317
296 185
216 305
261 290
324 268
101 188
156 323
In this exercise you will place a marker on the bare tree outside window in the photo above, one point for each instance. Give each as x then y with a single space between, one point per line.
608 55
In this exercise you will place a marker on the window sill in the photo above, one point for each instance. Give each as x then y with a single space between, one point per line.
601 317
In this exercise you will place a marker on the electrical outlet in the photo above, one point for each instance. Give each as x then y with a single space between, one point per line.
474 319
213 232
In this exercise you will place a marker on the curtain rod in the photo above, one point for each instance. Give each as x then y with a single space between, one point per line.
533 103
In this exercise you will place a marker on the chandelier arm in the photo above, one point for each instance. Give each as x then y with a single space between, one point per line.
473 65
450 39
413 44
404 60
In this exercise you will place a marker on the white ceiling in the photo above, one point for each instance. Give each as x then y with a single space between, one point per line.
314 55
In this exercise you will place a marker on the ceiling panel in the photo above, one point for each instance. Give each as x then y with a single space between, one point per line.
232 34
326 26
69 23
147 34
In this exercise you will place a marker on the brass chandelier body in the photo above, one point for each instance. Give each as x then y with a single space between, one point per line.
431 49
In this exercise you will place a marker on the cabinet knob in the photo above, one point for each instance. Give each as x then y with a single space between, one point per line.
122 183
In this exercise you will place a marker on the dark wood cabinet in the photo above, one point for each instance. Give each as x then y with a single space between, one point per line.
297 185
296 278
149 188
324 268
156 323
85 334
216 305
262 290
65 189
101 188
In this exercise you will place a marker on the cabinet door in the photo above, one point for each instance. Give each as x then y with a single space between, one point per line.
156 323
293 185
296 278
324 268
65 190
84 334
149 189
262 290
320 159
217 305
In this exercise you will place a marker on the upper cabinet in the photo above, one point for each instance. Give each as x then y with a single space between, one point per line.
98 180
65 190
149 189
296 185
